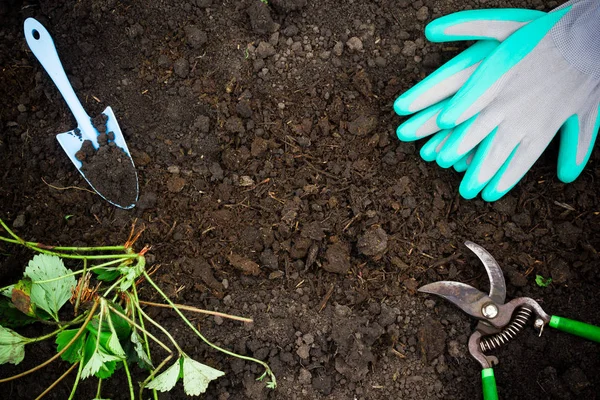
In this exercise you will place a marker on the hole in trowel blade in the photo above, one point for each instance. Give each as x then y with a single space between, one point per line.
35 34
109 169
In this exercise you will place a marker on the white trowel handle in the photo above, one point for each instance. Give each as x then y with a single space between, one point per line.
42 46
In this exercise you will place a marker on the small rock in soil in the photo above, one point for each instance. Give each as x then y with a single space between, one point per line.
235 125
362 125
175 184
202 123
243 109
432 339
19 222
195 37
354 44
373 242
303 352
285 6
338 258
265 50
260 18
181 68
246 266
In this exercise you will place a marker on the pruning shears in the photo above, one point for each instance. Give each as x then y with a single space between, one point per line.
499 322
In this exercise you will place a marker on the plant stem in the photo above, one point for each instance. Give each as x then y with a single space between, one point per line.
135 300
77 377
99 388
57 355
197 332
56 382
198 310
126 318
129 382
114 285
11 233
159 326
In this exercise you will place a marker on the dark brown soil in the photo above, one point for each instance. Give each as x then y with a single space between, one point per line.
272 186
110 171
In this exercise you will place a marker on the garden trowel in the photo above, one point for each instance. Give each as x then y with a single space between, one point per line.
118 184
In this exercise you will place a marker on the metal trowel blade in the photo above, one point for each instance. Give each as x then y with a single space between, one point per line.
72 141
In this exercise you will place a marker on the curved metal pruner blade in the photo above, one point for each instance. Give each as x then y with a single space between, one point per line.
497 284
465 297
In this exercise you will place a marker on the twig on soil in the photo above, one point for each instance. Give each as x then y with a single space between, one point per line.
323 302
332 176
198 310
351 221
68 187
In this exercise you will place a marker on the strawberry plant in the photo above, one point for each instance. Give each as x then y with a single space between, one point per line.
106 327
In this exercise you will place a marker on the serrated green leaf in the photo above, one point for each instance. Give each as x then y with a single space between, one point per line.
138 346
109 363
197 376
167 379
107 275
131 273
114 347
50 296
75 352
12 346
10 317
101 365
7 291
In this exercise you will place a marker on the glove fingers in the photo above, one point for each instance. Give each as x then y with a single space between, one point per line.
445 81
467 136
462 164
516 166
433 146
493 72
495 24
422 124
491 155
578 136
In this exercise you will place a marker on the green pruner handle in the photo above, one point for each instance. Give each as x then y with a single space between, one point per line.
587 331
489 384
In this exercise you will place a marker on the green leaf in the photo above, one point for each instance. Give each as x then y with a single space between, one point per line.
138 346
108 275
131 273
166 380
121 325
97 360
100 364
50 296
10 317
114 347
75 352
541 281
197 376
12 346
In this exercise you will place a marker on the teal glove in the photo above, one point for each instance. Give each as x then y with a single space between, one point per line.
543 76
432 94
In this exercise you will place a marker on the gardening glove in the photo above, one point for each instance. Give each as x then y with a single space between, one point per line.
544 76
490 27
